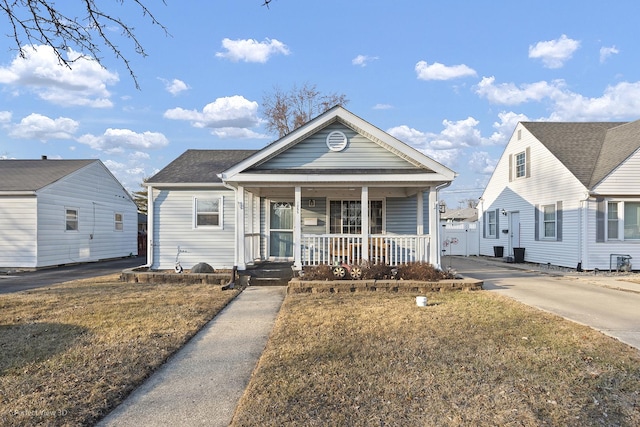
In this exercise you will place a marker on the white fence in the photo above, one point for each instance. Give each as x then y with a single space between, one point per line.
460 238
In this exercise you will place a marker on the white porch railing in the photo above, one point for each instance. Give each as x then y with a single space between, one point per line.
251 247
318 249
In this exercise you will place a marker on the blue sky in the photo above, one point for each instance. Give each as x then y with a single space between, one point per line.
450 78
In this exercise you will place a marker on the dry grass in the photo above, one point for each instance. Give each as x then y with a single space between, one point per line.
465 359
70 353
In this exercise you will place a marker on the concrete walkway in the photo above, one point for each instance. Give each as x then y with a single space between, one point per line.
202 383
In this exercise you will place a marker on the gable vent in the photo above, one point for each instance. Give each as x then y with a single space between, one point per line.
336 141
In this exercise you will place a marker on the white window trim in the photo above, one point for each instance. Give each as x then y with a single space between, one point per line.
116 222
621 220
380 199
524 165
543 222
220 213
77 211
491 235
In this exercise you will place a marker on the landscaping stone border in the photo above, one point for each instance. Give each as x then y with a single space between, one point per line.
297 286
138 275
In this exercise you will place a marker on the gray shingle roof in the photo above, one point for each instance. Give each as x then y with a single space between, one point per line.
32 175
199 166
589 150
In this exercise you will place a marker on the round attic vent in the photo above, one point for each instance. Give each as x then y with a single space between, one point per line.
336 141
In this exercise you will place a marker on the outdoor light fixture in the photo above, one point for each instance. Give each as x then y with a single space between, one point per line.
504 212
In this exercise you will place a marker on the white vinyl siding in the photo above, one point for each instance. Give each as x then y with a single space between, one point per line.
175 209
39 235
18 232
96 195
527 196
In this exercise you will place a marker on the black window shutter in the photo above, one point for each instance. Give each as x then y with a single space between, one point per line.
497 223
559 221
600 219
536 220
484 225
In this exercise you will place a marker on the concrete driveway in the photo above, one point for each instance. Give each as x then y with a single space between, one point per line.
35 279
600 301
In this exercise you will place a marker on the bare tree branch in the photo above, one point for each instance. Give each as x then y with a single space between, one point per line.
287 111
41 22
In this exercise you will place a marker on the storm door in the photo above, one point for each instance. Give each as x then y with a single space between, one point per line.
281 230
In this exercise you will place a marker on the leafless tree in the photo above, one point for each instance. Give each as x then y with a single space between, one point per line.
287 111
45 22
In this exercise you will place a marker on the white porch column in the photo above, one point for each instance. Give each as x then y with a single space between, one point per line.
420 213
297 230
364 222
434 228
240 230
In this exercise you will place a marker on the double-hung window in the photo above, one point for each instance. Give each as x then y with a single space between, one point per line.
521 165
118 220
549 221
492 225
612 221
632 220
207 212
623 220
71 219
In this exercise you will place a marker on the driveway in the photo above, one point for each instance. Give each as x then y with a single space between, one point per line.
601 302
50 276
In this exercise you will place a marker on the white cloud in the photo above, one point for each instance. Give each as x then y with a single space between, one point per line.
222 115
437 71
554 53
617 102
251 50
42 128
409 135
116 141
363 60
5 116
504 128
175 86
481 162
382 107
510 94
606 52
84 84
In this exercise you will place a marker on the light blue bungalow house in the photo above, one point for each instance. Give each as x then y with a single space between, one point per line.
337 188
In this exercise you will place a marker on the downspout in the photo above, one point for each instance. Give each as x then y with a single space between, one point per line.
150 220
436 208
235 210
581 225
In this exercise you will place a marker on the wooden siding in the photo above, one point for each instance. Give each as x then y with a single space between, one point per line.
623 181
547 183
313 153
97 197
18 232
175 229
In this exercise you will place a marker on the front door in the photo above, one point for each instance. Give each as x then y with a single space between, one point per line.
281 230
515 230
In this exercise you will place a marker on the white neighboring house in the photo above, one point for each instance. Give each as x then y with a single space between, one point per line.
566 194
55 212
337 188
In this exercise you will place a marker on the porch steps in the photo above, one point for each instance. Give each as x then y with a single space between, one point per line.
269 274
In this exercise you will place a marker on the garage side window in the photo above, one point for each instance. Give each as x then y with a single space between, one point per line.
118 221
207 212
71 219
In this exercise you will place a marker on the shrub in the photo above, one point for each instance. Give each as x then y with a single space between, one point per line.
411 271
421 271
